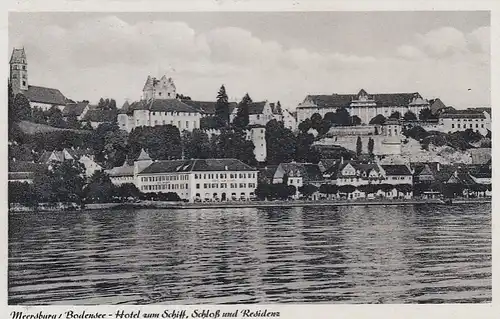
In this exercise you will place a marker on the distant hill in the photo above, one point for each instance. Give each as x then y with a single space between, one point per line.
31 128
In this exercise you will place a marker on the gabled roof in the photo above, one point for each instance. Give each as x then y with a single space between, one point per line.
197 165
396 170
436 105
309 172
74 108
467 114
383 99
125 170
125 108
267 172
143 156
256 107
100 116
480 171
56 155
18 56
163 105
208 107
45 95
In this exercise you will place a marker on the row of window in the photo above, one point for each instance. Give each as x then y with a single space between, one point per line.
400 177
469 120
163 187
224 185
165 178
224 175
465 125
172 123
173 113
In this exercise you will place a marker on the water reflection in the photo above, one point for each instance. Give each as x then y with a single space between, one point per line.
404 254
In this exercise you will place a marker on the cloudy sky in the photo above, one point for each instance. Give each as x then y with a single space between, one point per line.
274 56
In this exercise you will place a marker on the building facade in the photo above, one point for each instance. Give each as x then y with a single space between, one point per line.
365 106
461 120
159 106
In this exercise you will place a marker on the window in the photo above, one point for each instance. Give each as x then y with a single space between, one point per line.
452 125
458 125
24 83
168 94
477 125
24 67
163 122
187 124
482 125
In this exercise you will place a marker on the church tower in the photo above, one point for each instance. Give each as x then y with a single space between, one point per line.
18 71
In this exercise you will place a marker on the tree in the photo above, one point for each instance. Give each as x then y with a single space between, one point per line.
409 116
371 144
379 119
304 152
100 189
417 133
183 97
359 146
19 108
64 182
222 106
305 125
355 120
55 118
128 190
426 114
38 116
347 189
328 189
162 142
280 142
72 122
115 148
343 117
242 116
233 144
307 190
196 144
395 115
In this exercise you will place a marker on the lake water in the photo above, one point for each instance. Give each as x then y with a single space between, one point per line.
404 254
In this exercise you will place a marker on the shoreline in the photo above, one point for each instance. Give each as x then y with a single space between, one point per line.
255 204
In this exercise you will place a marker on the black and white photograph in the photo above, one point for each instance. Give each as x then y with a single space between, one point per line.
217 157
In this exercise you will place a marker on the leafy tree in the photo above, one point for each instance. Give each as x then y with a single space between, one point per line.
426 114
21 193
347 189
196 144
233 144
395 115
342 117
328 189
115 148
280 142
242 116
417 132
355 120
359 146
100 189
63 183
38 116
304 151
128 190
19 108
305 125
55 118
409 116
72 122
162 142
307 190
379 119
371 144
222 106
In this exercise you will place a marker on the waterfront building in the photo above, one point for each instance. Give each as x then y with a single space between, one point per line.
200 179
298 175
38 96
365 106
477 120
159 106
82 156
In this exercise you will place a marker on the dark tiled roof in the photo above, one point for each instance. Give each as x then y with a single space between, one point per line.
309 172
256 107
436 106
125 108
208 107
479 171
197 165
398 170
45 95
344 100
125 170
267 172
74 108
163 105
469 114
100 116
23 166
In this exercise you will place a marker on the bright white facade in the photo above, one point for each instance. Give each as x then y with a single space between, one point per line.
461 120
257 135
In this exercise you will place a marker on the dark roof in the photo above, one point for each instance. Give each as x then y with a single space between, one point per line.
125 108
74 108
45 95
163 105
18 56
469 113
396 170
479 171
309 172
208 107
100 116
256 107
267 172
436 105
23 166
197 165
344 100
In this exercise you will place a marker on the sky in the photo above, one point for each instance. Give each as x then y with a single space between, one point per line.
271 55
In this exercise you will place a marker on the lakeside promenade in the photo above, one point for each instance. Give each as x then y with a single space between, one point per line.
255 204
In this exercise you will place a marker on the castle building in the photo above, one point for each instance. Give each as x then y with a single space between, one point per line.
39 96
478 120
365 106
159 106
262 112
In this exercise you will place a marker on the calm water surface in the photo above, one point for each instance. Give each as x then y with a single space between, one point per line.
405 254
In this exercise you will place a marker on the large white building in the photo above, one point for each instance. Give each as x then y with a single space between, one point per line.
365 106
193 180
478 120
159 106
260 113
